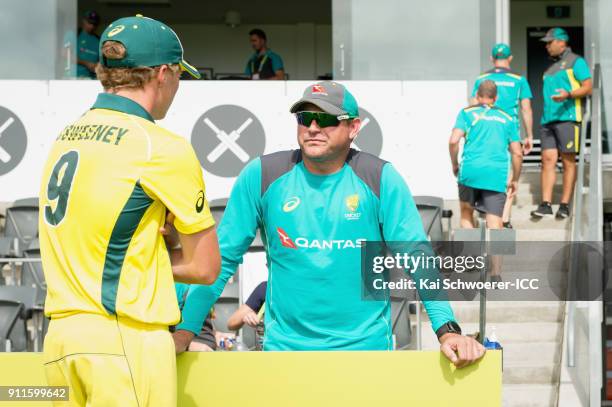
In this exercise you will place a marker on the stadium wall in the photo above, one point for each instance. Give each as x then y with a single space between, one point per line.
407 125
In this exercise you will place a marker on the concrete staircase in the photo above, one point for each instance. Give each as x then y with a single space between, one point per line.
531 332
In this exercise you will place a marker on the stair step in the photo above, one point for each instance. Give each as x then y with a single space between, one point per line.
529 373
510 311
522 332
521 219
529 395
533 233
537 353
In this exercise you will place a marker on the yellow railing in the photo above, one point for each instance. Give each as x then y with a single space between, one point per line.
310 379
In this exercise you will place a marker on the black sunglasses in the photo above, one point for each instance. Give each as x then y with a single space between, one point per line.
323 119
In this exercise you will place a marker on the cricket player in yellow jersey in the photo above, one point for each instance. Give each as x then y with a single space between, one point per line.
109 181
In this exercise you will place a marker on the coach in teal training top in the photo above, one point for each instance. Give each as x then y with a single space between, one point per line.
315 206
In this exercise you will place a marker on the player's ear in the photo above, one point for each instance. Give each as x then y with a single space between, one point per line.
162 71
354 125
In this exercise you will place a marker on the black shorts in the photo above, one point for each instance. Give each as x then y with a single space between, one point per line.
562 136
483 200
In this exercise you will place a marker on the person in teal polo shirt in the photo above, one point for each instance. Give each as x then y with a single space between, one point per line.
482 177
567 82
264 63
315 207
512 91
88 44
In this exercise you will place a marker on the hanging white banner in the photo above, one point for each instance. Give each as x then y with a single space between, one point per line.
230 123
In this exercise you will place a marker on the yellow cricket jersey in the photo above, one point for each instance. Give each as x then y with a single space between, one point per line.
105 188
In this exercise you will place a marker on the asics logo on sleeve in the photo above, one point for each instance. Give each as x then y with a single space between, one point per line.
200 202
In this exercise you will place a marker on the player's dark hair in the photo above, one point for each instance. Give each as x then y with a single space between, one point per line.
117 78
487 89
259 32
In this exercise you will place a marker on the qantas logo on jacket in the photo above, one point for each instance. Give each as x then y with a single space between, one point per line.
285 239
333 244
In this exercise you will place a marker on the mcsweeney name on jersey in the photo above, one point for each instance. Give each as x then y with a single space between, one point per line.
93 132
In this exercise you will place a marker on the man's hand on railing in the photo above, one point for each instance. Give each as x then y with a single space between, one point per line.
461 350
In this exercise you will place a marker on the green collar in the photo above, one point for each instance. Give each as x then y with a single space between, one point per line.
121 104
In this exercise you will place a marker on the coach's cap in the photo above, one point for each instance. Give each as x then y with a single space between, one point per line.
556 33
148 42
501 51
331 97
92 16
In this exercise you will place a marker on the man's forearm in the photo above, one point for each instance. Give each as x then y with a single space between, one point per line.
183 271
517 163
582 91
453 149
202 297
527 114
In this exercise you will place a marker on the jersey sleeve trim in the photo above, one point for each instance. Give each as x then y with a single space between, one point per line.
203 224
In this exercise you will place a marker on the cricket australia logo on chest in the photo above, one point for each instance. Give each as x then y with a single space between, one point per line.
352 206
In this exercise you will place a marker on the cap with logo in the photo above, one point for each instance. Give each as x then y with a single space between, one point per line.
501 51
331 97
148 42
556 33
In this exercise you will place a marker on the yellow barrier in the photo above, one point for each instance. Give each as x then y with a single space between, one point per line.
250 379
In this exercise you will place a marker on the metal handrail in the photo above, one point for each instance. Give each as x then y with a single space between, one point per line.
576 235
594 207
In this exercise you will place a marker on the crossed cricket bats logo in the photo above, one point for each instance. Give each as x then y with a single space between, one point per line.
5 157
228 141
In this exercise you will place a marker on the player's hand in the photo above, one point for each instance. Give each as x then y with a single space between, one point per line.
455 170
182 339
527 145
561 95
512 188
461 350
169 231
251 319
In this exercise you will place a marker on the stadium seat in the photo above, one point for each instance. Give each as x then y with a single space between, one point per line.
248 336
6 244
224 308
431 209
9 314
400 317
32 272
217 207
27 297
22 223
227 303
